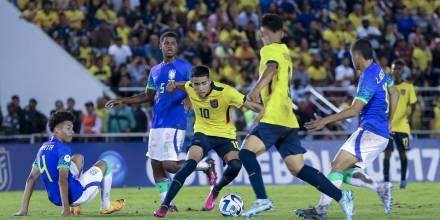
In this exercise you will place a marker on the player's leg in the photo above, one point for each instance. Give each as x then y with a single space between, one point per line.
386 160
229 152
99 175
207 166
76 165
195 154
358 177
402 143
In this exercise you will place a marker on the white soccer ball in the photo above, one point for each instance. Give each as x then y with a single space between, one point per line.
231 205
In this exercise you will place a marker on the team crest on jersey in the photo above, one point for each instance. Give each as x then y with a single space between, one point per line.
172 74
214 103
5 170
402 91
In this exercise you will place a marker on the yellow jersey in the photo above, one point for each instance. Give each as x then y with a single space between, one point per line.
407 97
213 113
436 118
276 95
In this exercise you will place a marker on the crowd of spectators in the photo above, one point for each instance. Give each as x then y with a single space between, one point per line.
118 42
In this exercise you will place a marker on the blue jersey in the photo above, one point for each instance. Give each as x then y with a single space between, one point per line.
168 110
373 91
54 155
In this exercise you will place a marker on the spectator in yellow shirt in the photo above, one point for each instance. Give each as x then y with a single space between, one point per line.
85 51
104 13
422 57
356 16
306 55
101 71
435 124
332 35
31 11
244 51
122 30
46 18
317 72
74 15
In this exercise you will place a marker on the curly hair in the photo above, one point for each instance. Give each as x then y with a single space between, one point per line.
60 117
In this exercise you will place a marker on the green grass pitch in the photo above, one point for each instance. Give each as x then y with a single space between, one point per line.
417 201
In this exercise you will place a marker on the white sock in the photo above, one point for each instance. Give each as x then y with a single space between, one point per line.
106 186
202 166
358 177
324 202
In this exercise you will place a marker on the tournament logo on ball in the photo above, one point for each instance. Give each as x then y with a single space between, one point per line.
214 103
5 170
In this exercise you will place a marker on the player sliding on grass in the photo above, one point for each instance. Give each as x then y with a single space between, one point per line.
376 111
214 130
61 172
279 126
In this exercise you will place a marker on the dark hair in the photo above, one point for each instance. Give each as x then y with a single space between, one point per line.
199 71
60 117
169 34
399 62
364 47
273 22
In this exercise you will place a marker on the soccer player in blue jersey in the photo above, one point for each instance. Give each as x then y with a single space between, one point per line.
168 126
375 102
61 172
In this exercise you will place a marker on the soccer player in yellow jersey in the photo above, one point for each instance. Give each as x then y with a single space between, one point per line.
278 126
214 130
400 128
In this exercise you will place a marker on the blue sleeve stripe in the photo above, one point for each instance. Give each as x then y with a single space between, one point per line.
272 61
361 99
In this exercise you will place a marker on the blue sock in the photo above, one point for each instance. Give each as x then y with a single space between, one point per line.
315 178
179 179
250 163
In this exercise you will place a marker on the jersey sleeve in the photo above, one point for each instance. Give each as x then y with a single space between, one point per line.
390 81
269 56
150 83
35 163
412 95
366 88
236 98
64 156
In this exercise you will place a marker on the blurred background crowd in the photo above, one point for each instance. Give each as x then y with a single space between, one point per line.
118 42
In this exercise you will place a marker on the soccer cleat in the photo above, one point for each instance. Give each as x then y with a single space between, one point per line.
402 184
347 204
161 212
173 208
259 206
311 213
212 174
75 210
115 206
384 191
210 200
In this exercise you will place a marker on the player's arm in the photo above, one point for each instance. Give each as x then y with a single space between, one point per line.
29 188
64 190
172 85
394 98
256 107
267 76
145 97
350 112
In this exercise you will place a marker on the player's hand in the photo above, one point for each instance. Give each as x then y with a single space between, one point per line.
114 102
66 213
315 125
171 86
187 104
254 96
21 213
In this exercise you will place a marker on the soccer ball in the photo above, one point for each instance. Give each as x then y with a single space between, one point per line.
231 205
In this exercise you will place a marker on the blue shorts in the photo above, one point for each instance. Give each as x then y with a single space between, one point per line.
285 139
220 145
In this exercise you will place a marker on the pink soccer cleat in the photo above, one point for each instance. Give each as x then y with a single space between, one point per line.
210 200
161 212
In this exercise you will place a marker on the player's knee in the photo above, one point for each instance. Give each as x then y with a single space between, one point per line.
235 165
170 166
155 164
402 155
103 165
